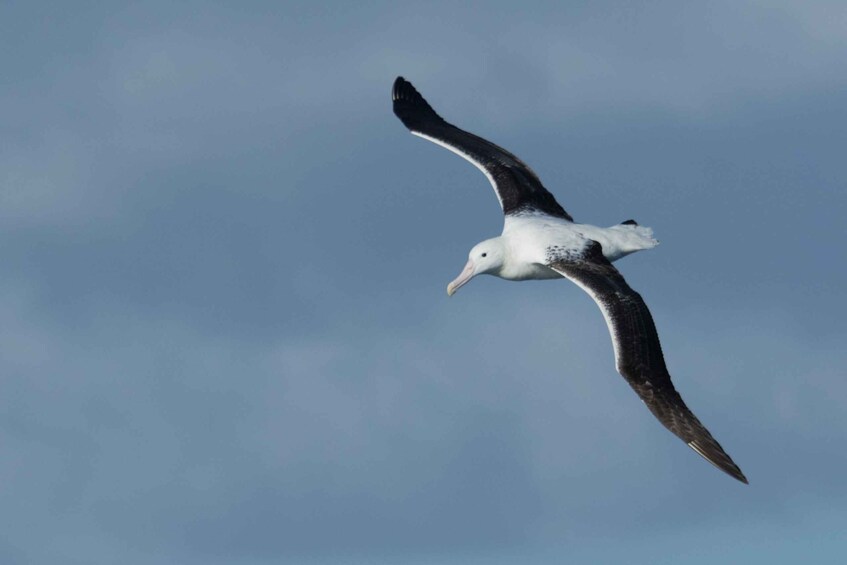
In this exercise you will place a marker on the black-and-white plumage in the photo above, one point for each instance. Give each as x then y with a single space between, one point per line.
516 186
541 241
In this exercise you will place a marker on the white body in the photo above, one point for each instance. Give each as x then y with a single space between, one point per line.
523 251
526 240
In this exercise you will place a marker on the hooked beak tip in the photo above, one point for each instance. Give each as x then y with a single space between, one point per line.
466 275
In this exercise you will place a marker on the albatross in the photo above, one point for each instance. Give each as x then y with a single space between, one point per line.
540 240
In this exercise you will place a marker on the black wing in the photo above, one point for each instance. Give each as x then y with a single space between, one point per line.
638 353
517 187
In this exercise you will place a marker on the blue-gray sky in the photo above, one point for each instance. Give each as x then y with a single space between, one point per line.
225 336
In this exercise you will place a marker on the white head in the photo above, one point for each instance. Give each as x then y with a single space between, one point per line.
485 258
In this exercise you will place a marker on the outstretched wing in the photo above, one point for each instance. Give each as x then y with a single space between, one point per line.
638 353
517 187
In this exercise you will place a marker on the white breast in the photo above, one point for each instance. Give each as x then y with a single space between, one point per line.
528 239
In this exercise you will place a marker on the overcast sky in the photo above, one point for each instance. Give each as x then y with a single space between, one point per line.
225 335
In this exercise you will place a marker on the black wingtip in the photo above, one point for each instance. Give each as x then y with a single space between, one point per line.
410 106
711 451
629 223
400 84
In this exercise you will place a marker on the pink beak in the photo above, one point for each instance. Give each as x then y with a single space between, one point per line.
467 274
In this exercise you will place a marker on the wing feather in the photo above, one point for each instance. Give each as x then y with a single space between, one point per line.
638 353
517 187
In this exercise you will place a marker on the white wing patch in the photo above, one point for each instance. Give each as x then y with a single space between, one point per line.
465 156
613 331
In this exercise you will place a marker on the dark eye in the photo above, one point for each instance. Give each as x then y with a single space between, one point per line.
485 254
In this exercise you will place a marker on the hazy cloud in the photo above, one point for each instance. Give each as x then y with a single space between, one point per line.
225 334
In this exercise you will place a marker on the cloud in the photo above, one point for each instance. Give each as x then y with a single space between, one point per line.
225 332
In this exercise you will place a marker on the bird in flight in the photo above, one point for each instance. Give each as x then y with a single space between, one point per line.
540 240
